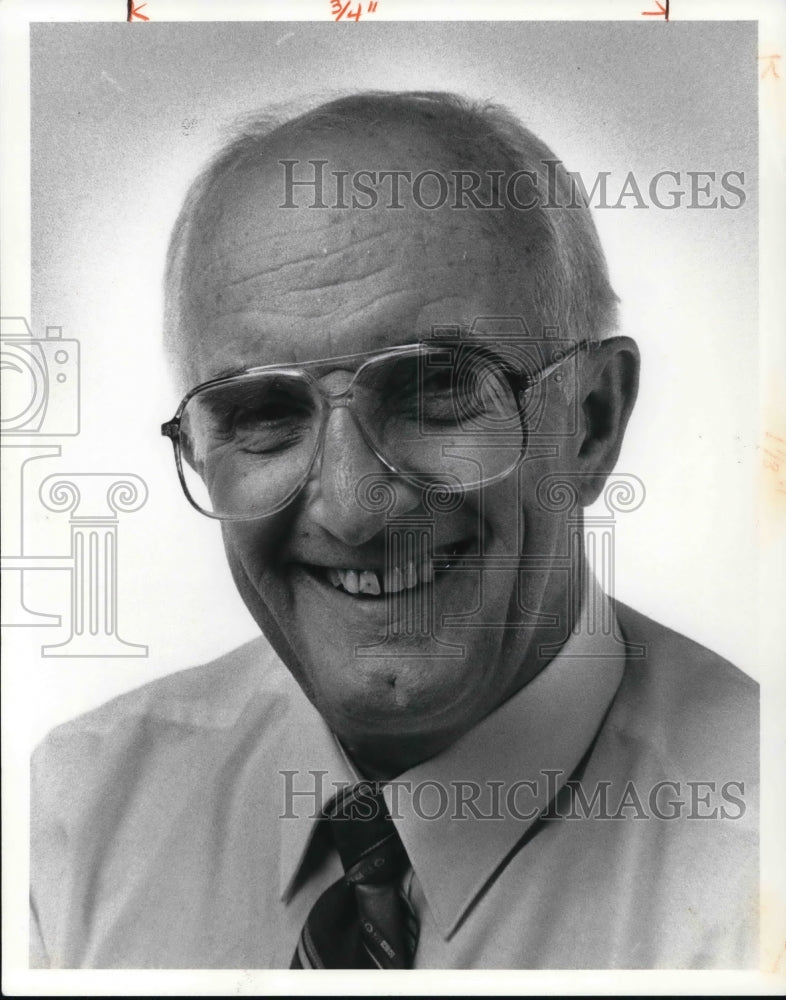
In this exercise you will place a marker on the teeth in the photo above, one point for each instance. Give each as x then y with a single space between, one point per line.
357 581
368 583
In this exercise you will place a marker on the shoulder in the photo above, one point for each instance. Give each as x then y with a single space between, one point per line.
107 787
191 706
680 745
208 695
693 707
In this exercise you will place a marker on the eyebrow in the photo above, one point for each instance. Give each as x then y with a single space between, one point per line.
227 372
449 335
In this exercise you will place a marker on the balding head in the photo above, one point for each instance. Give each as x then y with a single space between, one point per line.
544 238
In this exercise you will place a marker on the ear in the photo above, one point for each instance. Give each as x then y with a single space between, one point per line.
608 384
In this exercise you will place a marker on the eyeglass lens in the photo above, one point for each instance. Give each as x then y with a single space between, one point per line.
447 416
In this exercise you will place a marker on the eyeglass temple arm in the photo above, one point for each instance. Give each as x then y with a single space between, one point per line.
533 380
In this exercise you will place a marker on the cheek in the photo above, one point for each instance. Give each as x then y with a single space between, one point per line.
253 551
251 556
547 498
518 522
502 522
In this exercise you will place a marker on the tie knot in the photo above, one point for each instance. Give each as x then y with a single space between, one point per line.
366 839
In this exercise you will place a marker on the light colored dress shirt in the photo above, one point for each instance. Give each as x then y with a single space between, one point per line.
177 826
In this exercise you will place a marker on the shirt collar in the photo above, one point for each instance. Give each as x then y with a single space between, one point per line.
539 735
317 767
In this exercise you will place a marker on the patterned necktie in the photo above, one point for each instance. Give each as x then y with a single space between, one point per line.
362 921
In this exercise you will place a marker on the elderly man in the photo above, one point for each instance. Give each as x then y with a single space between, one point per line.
393 328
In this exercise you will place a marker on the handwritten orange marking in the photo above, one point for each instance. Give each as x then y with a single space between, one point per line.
771 67
133 11
774 461
660 12
338 11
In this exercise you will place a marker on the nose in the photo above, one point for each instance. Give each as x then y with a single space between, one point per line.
341 494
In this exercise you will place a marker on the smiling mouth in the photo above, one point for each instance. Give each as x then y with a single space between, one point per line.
368 584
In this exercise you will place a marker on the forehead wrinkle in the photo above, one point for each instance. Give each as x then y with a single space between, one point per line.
374 304
305 264
231 354
325 299
267 243
290 287
344 308
281 233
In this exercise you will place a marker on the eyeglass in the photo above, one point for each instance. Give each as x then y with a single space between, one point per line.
450 415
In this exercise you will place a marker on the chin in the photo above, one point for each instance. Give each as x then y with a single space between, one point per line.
382 666
404 686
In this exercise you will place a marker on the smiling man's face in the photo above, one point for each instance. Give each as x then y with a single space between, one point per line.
272 285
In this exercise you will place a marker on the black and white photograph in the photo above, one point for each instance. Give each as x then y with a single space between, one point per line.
394 497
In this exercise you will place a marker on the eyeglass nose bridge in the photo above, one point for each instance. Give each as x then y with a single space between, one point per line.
335 401
344 399
336 398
